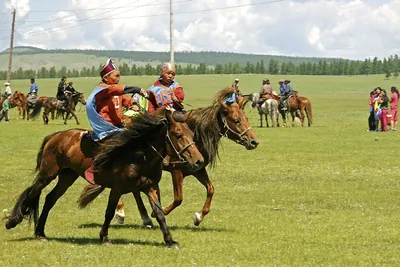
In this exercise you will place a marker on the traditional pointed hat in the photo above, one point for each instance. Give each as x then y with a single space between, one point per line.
168 66
108 68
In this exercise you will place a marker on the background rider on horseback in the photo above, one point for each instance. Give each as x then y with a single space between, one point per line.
288 92
265 91
61 93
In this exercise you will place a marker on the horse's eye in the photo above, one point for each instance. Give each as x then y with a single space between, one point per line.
236 121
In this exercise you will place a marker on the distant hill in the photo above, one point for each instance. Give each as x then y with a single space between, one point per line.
27 57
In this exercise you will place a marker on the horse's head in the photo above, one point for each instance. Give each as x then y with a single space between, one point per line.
254 99
181 146
236 125
79 98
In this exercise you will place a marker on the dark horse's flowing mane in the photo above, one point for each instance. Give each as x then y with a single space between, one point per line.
129 145
205 122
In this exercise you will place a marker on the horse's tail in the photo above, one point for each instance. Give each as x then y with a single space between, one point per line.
40 153
309 112
27 206
37 108
90 192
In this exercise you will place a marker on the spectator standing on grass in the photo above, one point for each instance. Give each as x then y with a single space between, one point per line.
377 110
384 105
4 110
394 101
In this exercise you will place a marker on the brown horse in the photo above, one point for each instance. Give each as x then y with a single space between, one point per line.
26 107
130 161
209 125
52 105
14 102
297 105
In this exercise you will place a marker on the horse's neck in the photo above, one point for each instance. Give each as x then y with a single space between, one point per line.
210 150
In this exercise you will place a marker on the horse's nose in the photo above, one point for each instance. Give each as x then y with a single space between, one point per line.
198 163
254 142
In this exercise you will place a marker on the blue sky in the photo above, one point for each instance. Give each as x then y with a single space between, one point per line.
352 29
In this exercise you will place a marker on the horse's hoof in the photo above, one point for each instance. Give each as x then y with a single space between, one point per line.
10 224
41 238
120 217
174 245
148 224
197 219
106 242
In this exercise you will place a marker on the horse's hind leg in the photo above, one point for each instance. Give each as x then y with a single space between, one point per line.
28 202
142 209
152 194
120 214
202 177
65 179
110 211
302 116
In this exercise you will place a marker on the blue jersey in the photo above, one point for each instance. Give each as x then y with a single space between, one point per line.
34 88
101 127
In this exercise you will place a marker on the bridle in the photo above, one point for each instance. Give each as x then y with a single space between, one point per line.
179 153
229 129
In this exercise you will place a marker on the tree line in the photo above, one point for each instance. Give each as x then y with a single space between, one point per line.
388 66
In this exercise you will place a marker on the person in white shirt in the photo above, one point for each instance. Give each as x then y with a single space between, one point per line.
8 89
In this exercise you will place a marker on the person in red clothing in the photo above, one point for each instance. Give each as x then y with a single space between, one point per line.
394 101
166 92
104 106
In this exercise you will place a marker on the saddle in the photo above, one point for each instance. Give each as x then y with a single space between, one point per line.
88 145
32 100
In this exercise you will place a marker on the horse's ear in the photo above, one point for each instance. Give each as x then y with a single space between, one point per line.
169 115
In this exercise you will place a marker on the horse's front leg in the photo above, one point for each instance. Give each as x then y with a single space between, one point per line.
152 194
293 114
177 183
261 120
76 118
19 112
110 211
143 211
202 177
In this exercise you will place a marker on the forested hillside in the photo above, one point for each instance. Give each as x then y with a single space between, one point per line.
34 62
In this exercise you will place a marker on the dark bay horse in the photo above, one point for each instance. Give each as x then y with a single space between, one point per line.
209 125
123 160
52 105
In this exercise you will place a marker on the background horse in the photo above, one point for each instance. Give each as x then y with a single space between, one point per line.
209 125
51 105
297 105
268 107
133 153
18 100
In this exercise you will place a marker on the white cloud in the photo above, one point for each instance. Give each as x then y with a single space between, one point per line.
337 28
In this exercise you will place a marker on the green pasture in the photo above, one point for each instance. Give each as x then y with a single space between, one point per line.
320 196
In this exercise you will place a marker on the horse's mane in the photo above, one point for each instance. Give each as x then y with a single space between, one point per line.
130 144
205 122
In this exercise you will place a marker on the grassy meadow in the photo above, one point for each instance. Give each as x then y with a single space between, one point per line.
319 196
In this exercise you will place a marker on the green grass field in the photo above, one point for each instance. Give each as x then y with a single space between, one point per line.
319 196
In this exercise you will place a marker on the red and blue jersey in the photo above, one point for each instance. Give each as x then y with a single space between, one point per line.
161 96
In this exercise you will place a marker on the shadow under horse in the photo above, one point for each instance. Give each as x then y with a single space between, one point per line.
209 125
128 162
51 105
